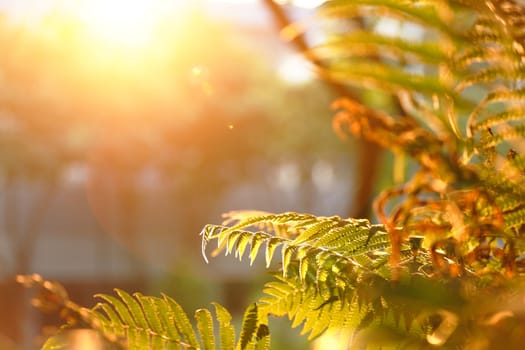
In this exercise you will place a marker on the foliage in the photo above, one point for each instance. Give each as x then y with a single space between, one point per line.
145 322
444 268
455 226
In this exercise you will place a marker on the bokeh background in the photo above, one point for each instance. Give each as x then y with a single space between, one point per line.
121 136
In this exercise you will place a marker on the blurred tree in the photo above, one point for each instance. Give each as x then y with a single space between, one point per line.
367 153
171 108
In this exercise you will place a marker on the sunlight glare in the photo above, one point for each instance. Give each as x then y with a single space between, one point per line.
127 23
295 70
309 4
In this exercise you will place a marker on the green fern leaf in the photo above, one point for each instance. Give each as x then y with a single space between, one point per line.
475 54
426 14
287 253
242 242
134 309
515 218
226 330
151 312
306 300
159 342
121 309
332 316
364 43
245 220
315 231
506 95
339 313
114 323
278 299
262 337
205 327
513 133
182 322
500 118
137 339
165 313
231 240
492 74
386 78
304 265
272 244
249 327
207 233
255 245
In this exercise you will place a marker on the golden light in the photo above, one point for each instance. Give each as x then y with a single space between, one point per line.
303 3
333 340
120 23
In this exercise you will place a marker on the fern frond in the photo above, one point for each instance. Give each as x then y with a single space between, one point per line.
506 134
205 327
368 44
111 320
493 74
262 337
428 14
315 231
515 217
182 322
245 219
511 114
321 269
226 329
254 333
477 54
145 322
135 308
384 77
355 309
279 297
353 239
319 241
304 306
249 326
506 95
153 315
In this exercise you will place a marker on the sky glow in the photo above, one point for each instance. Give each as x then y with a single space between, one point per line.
127 23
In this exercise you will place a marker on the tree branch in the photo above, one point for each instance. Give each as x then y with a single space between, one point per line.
369 153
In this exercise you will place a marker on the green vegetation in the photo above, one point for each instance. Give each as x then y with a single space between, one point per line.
445 266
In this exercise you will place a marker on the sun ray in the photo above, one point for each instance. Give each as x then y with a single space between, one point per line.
124 23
